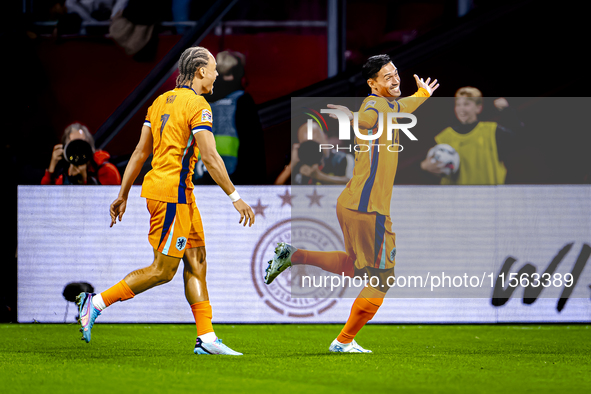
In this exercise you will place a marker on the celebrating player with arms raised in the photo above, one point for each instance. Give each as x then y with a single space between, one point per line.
363 208
177 127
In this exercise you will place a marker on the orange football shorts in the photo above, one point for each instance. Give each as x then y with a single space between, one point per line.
174 227
368 238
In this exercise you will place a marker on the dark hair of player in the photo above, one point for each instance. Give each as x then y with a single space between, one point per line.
191 60
373 65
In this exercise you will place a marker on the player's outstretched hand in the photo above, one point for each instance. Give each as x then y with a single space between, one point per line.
117 209
342 108
246 213
427 85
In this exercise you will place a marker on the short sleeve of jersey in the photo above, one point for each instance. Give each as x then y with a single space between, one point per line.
202 118
147 121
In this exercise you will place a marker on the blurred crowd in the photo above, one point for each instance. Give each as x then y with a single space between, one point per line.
133 25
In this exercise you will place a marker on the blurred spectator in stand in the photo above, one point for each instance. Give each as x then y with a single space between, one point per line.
236 125
136 24
482 146
83 165
330 167
95 10
72 13
181 9
67 22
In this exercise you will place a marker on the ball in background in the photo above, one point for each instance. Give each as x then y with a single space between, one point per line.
444 153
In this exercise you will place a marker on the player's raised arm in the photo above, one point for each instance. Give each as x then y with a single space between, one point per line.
365 119
142 151
216 168
425 90
341 108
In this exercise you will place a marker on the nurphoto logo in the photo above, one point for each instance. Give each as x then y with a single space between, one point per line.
373 134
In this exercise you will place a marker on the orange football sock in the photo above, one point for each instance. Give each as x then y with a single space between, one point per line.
203 314
363 310
119 292
336 262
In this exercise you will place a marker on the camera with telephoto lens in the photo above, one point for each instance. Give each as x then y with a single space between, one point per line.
78 152
309 153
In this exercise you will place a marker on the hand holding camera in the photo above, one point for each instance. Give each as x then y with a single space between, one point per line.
56 156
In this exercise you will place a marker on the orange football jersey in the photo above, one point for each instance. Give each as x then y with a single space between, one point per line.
370 188
174 118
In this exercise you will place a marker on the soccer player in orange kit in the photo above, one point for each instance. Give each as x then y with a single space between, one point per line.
363 208
177 128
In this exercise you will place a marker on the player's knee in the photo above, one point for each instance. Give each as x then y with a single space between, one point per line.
196 255
347 265
195 263
164 267
198 272
168 275
164 274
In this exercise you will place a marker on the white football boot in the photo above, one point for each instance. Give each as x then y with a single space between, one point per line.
353 347
215 347
281 260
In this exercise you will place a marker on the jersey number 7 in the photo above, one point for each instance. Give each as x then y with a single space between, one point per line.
163 120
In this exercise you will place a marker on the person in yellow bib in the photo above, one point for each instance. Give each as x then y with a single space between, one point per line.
482 146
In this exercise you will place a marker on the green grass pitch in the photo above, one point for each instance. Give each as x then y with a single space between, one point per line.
158 358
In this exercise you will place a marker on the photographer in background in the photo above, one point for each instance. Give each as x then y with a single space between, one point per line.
309 159
328 167
75 161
